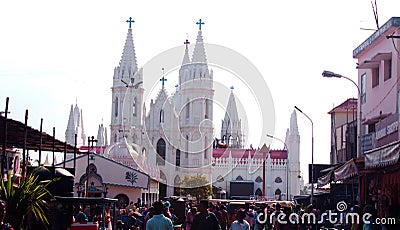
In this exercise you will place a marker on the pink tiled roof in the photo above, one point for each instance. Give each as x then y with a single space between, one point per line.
244 153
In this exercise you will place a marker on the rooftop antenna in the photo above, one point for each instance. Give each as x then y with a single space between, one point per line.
375 10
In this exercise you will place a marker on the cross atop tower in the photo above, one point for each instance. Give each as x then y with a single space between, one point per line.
163 79
200 23
186 42
130 21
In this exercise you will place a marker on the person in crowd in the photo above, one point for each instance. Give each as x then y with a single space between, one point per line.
79 215
224 217
260 218
159 221
204 219
240 223
250 216
148 216
190 217
167 212
371 218
275 220
3 225
174 218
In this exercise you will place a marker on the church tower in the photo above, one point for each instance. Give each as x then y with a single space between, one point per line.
196 111
75 126
231 130
293 143
127 96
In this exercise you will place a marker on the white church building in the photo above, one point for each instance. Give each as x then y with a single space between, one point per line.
172 137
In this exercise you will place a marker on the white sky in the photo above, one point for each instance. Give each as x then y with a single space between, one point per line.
53 52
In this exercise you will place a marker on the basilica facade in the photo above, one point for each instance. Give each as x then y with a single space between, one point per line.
173 135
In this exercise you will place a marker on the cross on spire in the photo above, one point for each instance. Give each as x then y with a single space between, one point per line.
200 23
163 79
130 21
186 42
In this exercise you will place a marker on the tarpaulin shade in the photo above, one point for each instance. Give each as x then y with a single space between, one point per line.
383 156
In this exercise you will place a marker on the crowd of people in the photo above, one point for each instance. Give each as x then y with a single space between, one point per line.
206 215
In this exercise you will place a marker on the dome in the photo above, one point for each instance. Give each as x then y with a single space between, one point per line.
122 150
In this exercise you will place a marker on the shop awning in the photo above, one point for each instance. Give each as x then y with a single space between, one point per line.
325 179
347 170
383 156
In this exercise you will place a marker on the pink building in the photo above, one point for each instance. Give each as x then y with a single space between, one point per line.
378 76
378 79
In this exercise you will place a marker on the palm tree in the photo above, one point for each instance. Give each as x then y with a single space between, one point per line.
29 196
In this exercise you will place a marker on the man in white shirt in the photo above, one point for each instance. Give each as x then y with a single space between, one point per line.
159 221
240 223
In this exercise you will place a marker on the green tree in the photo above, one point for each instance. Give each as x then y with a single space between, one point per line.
197 186
29 196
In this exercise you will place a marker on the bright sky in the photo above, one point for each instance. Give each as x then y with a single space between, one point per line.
52 53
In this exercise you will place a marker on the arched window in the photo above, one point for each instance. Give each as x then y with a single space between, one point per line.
239 178
161 116
161 149
278 180
134 107
178 158
116 107
223 139
278 191
258 192
115 138
163 178
123 200
258 179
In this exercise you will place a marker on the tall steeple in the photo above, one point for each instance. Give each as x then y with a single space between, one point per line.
199 53
293 142
75 126
82 129
186 59
127 95
127 69
294 130
70 132
231 130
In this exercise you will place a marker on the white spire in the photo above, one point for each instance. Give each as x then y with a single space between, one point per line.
294 130
83 135
127 66
76 116
70 132
199 53
105 137
46 161
100 136
231 125
186 59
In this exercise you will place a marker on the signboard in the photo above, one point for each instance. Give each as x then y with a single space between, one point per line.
317 171
387 130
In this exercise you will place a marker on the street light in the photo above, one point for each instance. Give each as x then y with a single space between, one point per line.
287 164
312 153
332 74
